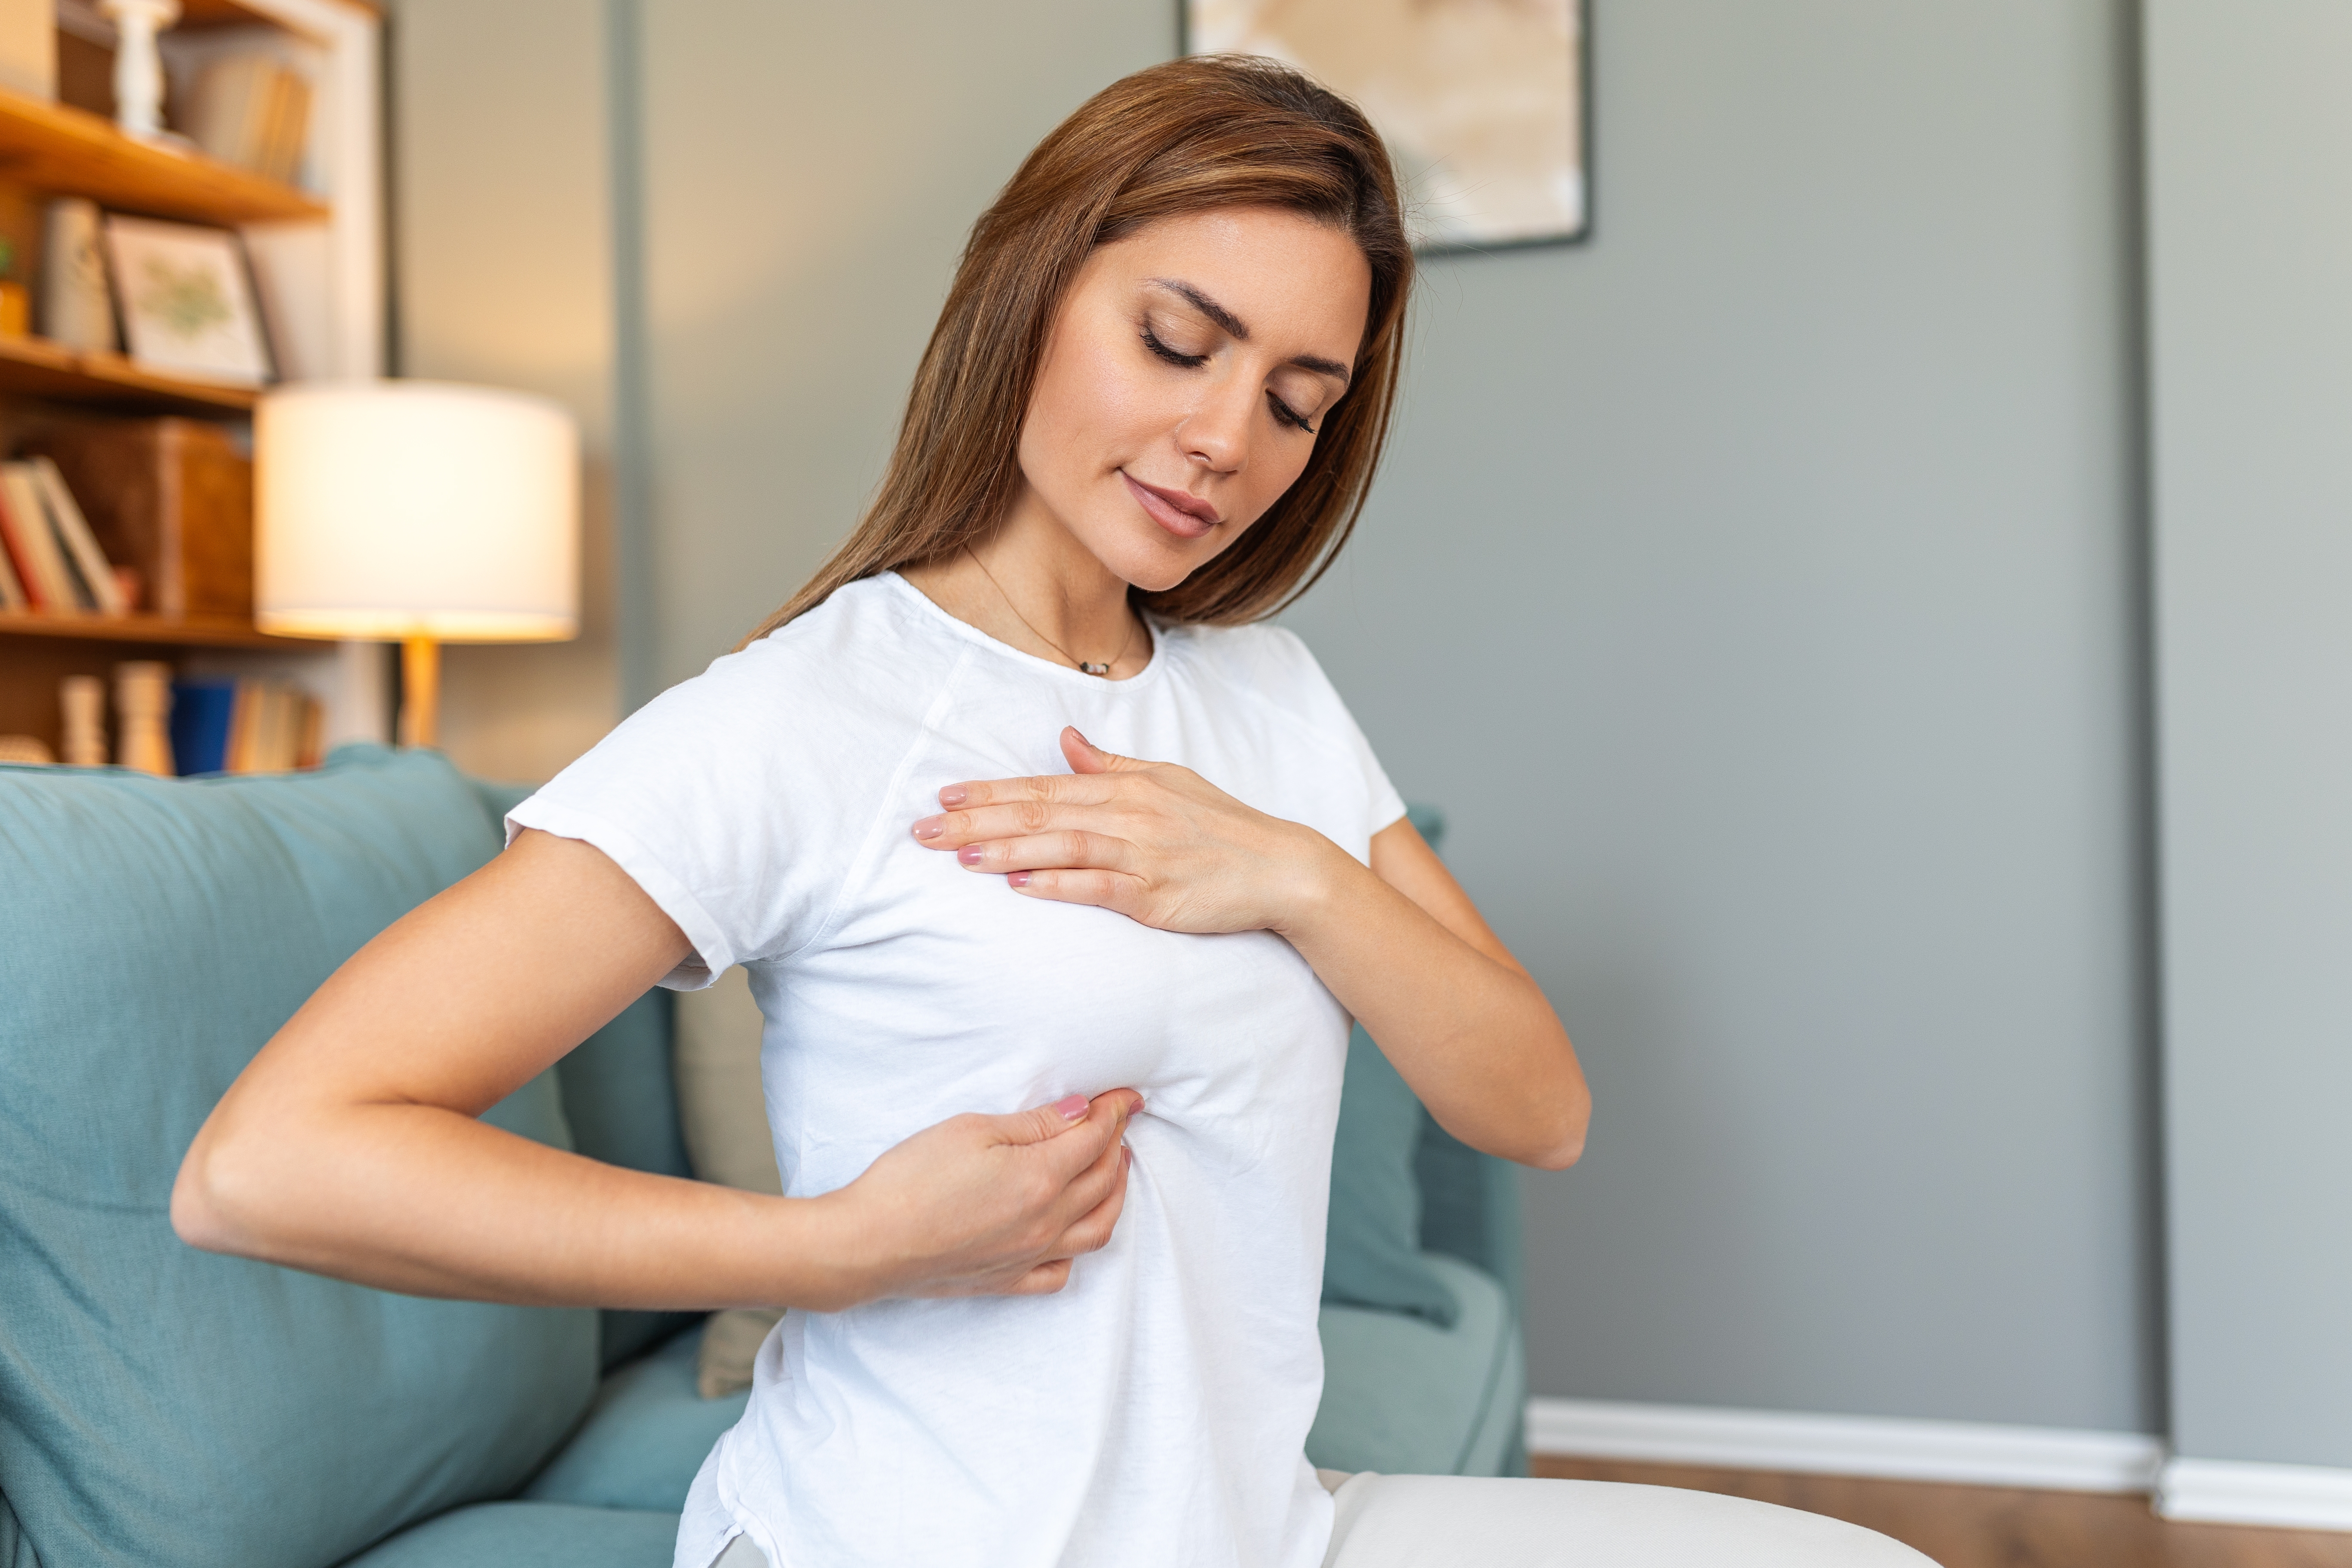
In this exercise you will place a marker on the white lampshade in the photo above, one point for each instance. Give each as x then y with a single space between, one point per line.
401 509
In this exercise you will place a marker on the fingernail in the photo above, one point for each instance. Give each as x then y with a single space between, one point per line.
968 854
1137 1107
1072 1107
952 796
930 827
1081 734
1126 1157
1019 878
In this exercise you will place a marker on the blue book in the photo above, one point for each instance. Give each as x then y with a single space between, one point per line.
201 711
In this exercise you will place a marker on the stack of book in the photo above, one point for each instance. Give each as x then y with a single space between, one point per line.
227 726
254 111
51 560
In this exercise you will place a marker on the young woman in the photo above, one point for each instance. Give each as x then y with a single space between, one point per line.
1017 804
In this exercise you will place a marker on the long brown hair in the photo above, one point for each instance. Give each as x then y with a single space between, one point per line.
1190 135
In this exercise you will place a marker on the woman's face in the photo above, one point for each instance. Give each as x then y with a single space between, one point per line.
1184 384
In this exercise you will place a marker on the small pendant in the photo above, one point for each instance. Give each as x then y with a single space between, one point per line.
1093 668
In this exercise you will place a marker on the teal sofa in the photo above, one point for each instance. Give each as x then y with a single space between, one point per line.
163 1406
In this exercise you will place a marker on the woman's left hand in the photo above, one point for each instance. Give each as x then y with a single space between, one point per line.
1156 842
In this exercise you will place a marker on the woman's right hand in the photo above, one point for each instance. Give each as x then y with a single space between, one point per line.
989 1205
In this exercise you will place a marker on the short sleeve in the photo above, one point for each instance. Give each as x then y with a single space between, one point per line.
1386 805
738 800
1291 676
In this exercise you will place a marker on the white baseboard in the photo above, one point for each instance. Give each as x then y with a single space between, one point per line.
2230 1492
1963 1451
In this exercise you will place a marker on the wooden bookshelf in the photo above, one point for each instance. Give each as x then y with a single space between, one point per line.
52 147
35 367
322 257
154 631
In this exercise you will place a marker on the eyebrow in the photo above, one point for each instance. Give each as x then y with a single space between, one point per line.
1234 325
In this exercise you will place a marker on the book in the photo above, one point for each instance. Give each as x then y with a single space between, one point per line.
12 594
254 111
33 544
96 573
20 561
288 128
222 112
200 716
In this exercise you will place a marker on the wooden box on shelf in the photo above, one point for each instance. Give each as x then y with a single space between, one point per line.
172 499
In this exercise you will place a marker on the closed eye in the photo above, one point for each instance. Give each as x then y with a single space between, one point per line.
1285 414
1151 341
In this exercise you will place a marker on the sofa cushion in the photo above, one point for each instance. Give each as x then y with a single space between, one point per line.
1371 1251
647 1436
162 1404
1372 1239
531 1535
1405 1396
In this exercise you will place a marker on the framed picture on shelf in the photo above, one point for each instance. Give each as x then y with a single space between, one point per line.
187 302
1485 104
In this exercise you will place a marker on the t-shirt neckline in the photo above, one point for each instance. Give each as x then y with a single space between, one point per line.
925 605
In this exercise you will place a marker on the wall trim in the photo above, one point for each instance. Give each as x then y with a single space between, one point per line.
1963 1451
2231 1491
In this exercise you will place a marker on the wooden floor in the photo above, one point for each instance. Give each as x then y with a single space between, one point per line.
1997 1527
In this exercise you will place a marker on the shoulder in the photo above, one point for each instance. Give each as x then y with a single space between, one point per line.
823 706
1265 664
856 661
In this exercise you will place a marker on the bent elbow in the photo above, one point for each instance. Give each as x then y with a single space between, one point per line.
1566 1146
205 1211
1561 1155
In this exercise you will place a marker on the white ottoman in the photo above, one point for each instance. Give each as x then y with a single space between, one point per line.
1469 1522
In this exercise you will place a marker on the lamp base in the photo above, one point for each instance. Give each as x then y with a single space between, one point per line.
420 691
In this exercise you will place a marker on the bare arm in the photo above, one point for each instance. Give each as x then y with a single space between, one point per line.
351 1146
1399 943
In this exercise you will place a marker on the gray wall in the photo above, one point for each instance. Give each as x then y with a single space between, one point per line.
502 275
1753 588
2250 136
1750 586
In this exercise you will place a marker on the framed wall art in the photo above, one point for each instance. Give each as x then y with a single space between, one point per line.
187 302
1485 103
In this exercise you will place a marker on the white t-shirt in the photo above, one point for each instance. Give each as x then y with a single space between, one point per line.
1155 1411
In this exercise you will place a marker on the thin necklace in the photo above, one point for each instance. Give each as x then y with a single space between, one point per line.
1100 669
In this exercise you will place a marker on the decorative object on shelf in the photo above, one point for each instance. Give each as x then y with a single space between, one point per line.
142 712
419 511
1485 104
137 64
187 300
28 47
25 752
171 503
77 302
252 111
16 303
81 703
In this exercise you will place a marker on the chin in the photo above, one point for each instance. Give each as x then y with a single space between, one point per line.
1152 564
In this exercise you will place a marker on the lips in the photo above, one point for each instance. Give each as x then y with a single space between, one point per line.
1185 516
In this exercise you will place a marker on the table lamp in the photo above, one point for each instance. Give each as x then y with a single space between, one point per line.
417 512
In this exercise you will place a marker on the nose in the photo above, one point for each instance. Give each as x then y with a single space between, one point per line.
1215 434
